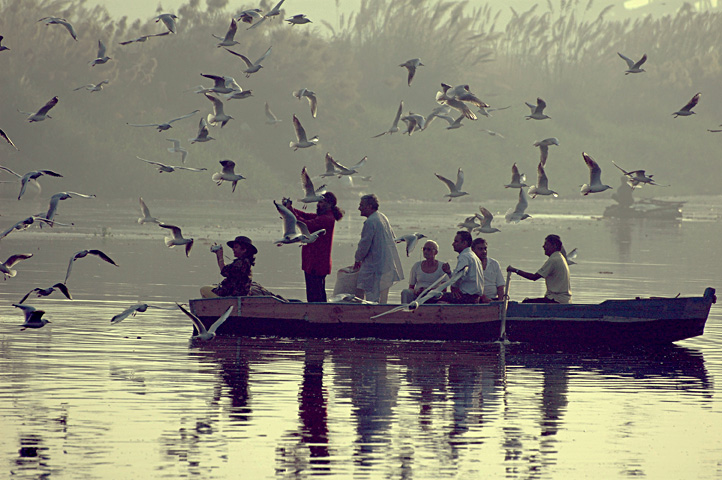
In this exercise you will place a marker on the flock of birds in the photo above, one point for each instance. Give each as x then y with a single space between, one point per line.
455 105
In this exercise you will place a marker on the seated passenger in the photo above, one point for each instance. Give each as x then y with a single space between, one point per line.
555 272
237 275
424 273
470 287
493 278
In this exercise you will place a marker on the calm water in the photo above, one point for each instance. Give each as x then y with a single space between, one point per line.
82 399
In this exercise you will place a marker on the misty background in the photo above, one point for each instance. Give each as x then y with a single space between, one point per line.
563 52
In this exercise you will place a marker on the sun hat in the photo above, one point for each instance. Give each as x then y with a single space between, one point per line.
245 241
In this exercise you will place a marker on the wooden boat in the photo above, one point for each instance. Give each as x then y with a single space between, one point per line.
646 209
640 321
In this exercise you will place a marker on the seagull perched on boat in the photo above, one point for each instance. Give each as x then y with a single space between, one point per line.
271 119
687 109
33 316
42 114
518 214
23 225
294 230
542 184
302 141
469 223
411 240
595 177
312 194
227 40
60 21
202 133
133 309
341 170
84 253
454 188
310 96
517 179
411 66
457 96
299 19
253 67
30 177
168 20
395 125
228 174
486 217
176 148
163 168
164 126
143 38
218 116
44 292
53 207
637 178
544 148
101 58
6 268
147 217
413 121
177 238
5 137
201 332
92 87
632 66
537 111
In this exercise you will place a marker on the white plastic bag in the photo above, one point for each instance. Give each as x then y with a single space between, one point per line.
346 280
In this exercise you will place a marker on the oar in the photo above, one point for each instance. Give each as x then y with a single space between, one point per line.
502 334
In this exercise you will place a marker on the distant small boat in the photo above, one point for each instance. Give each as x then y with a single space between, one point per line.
639 321
646 208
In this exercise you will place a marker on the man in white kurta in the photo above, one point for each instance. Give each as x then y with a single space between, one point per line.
376 257
470 287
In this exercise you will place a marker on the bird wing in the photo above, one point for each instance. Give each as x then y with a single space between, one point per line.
127 312
307 183
300 132
102 256
13 259
630 62
398 115
243 57
231 30
263 57
191 169
303 228
623 170
269 114
522 203
200 328
175 231
640 62
459 179
152 162
220 320
7 139
101 49
289 219
144 209
10 171
448 182
360 164
488 217
184 116
595 173
540 105
313 101
76 194
690 105
51 103
340 167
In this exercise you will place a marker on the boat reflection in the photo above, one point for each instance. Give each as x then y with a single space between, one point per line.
443 395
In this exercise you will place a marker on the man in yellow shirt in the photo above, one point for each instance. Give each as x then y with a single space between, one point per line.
555 272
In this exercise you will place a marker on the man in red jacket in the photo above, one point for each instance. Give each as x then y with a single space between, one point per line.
316 256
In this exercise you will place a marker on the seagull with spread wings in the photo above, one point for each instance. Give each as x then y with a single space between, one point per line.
271 119
33 316
177 238
595 184
162 167
92 87
53 206
23 225
517 178
411 66
41 114
310 96
312 194
84 253
201 333
411 240
632 66
228 174
302 140
544 148
133 310
299 19
454 188
203 133
30 177
519 212
145 211
294 230
101 58
164 126
44 292
218 115
395 125
687 109
253 67
341 170
60 21
6 268
168 20
143 38
485 218
227 40
542 184
176 148
537 111
637 178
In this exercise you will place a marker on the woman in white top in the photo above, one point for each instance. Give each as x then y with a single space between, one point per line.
423 273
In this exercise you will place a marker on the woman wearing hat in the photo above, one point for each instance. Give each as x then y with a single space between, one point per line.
316 256
236 275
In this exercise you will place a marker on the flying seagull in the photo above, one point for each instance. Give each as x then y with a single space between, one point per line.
687 109
411 66
218 116
454 188
341 170
411 240
518 214
132 310
60 21
227 40
537 111
44 292
7 139
33 316
485 218
221 84
176 148
30 177
164 126
42 114
310 96
200 329
177 238
53 206
395 125
202 135
22 225
83 254
147 217
6 268
544 148
143 38
253 67
228 174
542 184
274 12
295 231
414 121
163 168
271 119
168 20
299 19
302 140
457 97
2 47
632 66
92 87
312 194
637 178
517 179
595 177
101 58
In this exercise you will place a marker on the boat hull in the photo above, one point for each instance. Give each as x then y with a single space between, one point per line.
638 321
